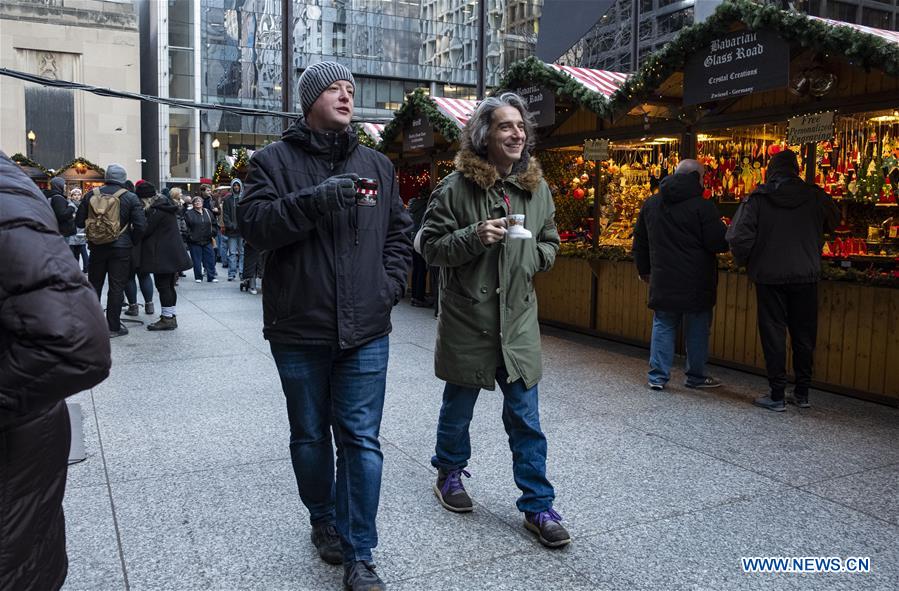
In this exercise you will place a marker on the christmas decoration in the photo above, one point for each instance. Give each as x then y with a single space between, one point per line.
23 160
417 103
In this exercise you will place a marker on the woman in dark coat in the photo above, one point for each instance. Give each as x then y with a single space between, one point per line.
163 255
46 354
201 229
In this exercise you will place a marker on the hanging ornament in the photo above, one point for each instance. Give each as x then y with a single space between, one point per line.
578 193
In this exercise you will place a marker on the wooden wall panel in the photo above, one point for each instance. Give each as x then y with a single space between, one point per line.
858 326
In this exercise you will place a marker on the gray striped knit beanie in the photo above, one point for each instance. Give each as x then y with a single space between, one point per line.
317 78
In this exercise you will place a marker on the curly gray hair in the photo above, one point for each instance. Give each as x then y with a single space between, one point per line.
474 136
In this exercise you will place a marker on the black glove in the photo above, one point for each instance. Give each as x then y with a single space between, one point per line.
335 193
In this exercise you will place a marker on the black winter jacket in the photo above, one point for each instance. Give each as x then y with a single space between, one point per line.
64 212
675 241
162 250
131 216
778 231
201 226
229 215
54 342
330 279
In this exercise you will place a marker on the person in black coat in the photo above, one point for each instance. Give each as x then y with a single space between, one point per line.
46 354
677 236
336 266
62 209
778 233
113 258
163 255
201 230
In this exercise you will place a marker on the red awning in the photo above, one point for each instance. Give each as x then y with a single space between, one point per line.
373 130
891 36
599 81
458 110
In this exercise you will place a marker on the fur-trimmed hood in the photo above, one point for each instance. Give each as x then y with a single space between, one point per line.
526 173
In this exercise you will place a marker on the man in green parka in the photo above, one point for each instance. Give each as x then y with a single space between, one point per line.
487 331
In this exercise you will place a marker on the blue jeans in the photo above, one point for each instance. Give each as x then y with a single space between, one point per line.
235 256
521 418
203 256
221 247
329 389
696 338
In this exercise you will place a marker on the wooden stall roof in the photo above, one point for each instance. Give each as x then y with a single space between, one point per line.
447 116
865 61
373 130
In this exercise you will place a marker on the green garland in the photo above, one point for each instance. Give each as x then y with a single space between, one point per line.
418 103
365 139
222 173
531 71
866 51
23 160
87 163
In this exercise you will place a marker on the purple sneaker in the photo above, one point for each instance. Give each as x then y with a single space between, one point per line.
547 525
450 492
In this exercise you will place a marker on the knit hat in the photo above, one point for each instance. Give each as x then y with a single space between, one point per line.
115 174
58 183
145 190
317 78
783 163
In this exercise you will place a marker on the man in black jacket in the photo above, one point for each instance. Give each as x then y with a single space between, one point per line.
675 241
46 354
233 247
778 233
335 269
114 258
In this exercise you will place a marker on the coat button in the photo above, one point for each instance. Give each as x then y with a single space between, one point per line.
484 333
342 343
483 289
499 290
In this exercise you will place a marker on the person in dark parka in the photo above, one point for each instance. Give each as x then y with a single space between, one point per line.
163 255
778 233
62 209
677 236
46 354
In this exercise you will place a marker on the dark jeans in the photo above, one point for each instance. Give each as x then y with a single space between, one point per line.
251 263
794 308
80 251
329 389
203 256
115 262
146 288
165 285
521 418
419 276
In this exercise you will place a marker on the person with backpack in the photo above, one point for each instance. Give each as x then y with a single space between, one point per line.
201 230
113 220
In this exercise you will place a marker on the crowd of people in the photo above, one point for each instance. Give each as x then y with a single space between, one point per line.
339 263
158 236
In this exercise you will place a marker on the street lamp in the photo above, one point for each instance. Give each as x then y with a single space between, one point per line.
31 137
216 144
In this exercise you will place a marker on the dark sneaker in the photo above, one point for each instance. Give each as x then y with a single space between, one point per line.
149 309
548 528
164 323
118 333
450 492
417 303
327 542
708 382
770 404
799 399
656 386
133 310
360 576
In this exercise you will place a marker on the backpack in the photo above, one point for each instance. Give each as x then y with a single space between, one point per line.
104 224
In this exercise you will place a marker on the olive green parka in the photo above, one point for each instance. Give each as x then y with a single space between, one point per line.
488 308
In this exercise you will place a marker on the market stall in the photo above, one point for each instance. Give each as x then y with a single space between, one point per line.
785 70
83 174
35 171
